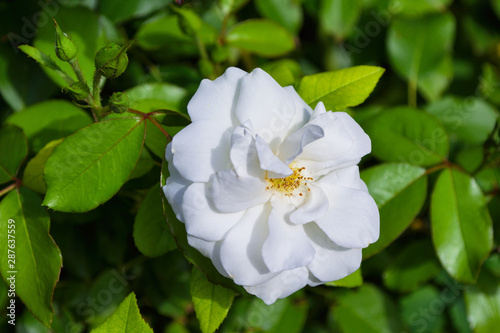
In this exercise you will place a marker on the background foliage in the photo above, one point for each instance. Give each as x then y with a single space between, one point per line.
434 170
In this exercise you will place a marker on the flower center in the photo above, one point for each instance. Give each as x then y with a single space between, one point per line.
289 184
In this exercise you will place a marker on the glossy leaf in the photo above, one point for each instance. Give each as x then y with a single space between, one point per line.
33 174
90 166
261 36
144 164
418 8
420 49
399 191
340 89
172 97
151 233
162 31
414 265
37 260
483 303
461 225
353 280
404 134
49 120
471 120
178 230
83 26
287 13
366 310
14 149
338 17
211 302
126 319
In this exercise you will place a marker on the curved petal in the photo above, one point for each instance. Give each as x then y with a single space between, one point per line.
210 250
241 250
352 221
345 177
175 186
343 144
215 100
201 149
244 152
232 193
303 111
200 216
267 104
315 206
287 246
269 161
331 261
280 286
294 144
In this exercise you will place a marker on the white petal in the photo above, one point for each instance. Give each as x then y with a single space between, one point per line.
269 161
287 246
241 251
244 153
331 261
345 177
315 206
215 100
281 286
294 144
201 149
202 219
302 110
267 104
175 186
210 250
352 220
343 145
232 193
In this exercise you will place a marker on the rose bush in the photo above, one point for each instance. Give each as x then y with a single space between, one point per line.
269 189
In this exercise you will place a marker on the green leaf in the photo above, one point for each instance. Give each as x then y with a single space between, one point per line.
90 166
399 191
151 233
261 36
287 13
483 303
350 281
178 230
33 174
470 158
144 164
211 302
420 50
461 225
340 89
418 8
414 265
48 121
82 25
46 61
338 17
126 319
14 150
415 310
366 310
471 120
169 96
403 134
285 71
37 260
128 9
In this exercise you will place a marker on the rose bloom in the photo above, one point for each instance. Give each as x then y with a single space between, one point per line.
269 189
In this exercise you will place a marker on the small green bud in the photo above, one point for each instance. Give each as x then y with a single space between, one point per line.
66 49
112 60
78 90
119 102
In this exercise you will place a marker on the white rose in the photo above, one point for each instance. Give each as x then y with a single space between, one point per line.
269 189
